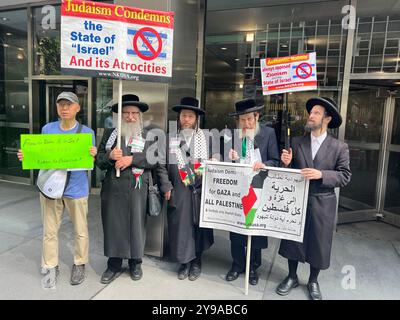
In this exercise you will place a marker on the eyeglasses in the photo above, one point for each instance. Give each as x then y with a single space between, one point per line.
134 113
64 105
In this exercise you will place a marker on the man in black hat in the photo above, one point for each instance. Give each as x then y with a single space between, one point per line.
187 151
323 160
124 199
257 146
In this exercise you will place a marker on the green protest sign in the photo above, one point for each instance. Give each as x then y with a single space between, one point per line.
56 151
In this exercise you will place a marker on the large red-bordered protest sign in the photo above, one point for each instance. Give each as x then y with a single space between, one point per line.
115 41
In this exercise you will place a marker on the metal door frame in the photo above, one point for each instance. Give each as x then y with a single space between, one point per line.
48 85
386 216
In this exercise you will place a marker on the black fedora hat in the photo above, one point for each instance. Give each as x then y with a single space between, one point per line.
189 103
330 107
131 100
245 106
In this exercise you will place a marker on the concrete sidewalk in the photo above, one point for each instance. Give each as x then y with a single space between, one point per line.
370 249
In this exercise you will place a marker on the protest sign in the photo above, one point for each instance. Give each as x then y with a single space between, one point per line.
289 74
115 41
56 151
270 202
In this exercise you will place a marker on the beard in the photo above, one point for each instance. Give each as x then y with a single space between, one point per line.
180 127
131 129
249 133
311 127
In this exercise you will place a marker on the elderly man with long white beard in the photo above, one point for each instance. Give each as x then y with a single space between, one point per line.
124 199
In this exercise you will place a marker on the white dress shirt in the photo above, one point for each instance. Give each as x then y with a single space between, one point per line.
316 143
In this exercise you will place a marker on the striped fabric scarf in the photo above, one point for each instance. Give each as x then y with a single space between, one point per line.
247 150
200 154
137 173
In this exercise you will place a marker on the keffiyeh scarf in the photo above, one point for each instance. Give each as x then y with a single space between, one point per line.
137 173
200 154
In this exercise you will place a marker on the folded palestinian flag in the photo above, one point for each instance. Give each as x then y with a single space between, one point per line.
198 168
185 177
252 200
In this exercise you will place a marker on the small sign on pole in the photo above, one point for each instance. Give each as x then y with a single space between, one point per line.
289 74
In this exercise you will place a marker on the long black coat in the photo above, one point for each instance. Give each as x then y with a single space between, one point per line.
123 208
333 160
266 141
186 238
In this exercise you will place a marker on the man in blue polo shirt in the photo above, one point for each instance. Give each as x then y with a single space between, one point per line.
74 199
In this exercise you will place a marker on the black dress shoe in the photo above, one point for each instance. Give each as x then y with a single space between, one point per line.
286 285
194 272
183 271
108 276
232 275
136 271
314 291
253 277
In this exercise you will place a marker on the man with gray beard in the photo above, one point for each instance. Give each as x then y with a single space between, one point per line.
124 199
258 146
324 161
187 153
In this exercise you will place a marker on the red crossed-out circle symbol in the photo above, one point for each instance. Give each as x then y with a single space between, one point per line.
304 70
140 34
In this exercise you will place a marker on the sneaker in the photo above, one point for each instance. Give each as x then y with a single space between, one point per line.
49 278
77 274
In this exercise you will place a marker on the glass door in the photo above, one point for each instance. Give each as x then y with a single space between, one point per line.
365 115
373 135
54 88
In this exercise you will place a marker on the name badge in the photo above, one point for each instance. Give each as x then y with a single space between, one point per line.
136 144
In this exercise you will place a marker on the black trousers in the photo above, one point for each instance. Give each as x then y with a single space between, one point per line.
239 258
115 264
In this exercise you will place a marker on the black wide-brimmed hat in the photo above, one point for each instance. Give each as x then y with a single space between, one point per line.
330 107
245 106
131 100
189 103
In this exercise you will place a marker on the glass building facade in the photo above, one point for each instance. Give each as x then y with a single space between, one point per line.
217 50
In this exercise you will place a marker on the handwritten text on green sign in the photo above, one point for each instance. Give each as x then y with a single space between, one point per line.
56 151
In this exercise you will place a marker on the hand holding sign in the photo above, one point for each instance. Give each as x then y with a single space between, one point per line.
116 154
20 155
286 157
311 173
233 155
124 162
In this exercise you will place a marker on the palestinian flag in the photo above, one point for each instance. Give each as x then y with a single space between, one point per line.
251 201
198 168
185 177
